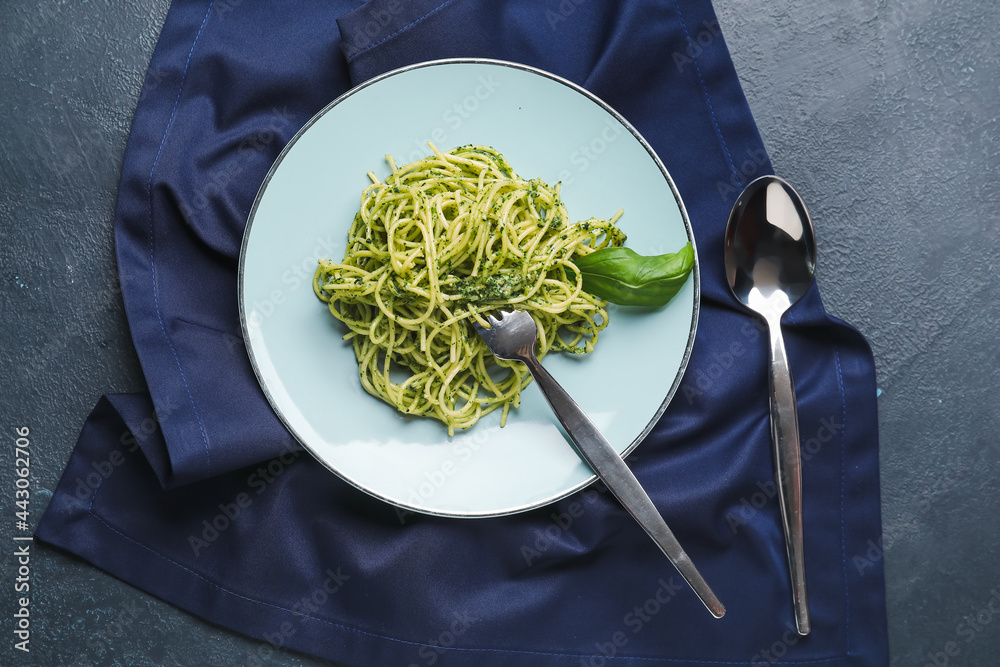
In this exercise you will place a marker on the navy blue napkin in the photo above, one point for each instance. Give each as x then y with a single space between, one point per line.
196 493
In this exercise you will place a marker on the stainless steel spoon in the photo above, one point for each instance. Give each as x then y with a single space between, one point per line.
770 255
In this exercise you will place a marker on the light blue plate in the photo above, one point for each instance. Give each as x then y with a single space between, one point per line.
546 127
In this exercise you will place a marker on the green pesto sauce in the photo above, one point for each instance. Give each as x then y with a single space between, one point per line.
499 286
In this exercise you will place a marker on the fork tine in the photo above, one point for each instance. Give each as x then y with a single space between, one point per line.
492 320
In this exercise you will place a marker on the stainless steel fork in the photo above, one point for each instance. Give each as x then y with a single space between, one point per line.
512 337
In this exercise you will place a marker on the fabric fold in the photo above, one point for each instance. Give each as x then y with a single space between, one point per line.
214 115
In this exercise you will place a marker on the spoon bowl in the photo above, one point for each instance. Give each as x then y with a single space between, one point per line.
770 250
770 258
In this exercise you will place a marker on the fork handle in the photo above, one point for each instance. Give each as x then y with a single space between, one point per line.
605 460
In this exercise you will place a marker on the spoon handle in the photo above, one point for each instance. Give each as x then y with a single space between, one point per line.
788 470
605 460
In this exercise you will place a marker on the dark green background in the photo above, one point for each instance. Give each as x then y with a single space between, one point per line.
883 115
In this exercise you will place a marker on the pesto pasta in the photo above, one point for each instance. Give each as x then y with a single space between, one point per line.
441 241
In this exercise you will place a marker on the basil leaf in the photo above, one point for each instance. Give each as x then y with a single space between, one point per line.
622 276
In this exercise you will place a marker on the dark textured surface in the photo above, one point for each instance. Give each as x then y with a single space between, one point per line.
884 117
